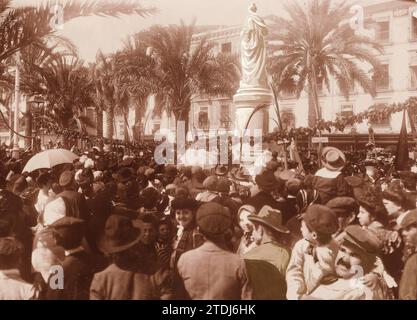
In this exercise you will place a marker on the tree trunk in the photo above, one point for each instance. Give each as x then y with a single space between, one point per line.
110 127
28 127
125 130
99 114
139 111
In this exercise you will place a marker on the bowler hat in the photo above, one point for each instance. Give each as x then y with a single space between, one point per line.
363 239
213 219
343 206
43 179
293 186
271 218
266 181
184 203
123 175
69 231
320 219
333 158
223 185
242 174
408 219
210 183
119 235
66 178
220 170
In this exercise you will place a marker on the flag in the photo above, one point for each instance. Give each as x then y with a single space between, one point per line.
401 158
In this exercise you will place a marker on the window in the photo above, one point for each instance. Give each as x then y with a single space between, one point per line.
90 113
381 78
413 28
382 31
226 47
413 77
203 120
346 110
288 119
225 117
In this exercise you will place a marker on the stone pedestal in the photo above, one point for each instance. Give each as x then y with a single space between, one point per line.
246 100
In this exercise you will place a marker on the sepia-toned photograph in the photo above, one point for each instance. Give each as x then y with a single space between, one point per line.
208 150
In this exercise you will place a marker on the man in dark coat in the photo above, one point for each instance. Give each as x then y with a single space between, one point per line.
268 233
77 265
128 277
76 205
266 183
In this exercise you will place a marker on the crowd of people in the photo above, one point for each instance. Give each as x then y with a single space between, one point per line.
114 226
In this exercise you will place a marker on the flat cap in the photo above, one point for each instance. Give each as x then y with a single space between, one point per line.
343 206
213 219
363 239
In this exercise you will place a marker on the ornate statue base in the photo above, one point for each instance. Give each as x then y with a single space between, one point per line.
246 100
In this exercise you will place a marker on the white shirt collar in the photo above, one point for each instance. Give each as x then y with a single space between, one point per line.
326 173
72 251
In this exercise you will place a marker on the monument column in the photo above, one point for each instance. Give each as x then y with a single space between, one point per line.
253 90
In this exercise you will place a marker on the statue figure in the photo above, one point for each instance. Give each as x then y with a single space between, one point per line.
253 50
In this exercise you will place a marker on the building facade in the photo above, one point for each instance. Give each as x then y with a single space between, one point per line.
390 23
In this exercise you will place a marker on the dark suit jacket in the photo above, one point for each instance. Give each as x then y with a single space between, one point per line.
264 199
76 205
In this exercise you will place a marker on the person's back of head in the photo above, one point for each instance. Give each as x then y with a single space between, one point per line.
11 251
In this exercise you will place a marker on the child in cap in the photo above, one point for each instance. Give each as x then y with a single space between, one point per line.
312 258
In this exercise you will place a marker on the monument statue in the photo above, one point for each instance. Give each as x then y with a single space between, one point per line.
253 50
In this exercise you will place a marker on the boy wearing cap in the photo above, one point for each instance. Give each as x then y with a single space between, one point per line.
312 258
408 283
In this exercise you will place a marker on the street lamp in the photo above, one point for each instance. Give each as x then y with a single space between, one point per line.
29 119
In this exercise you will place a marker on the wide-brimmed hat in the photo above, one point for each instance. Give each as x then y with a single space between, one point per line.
242 174
119 235
333 159
270 217
220 170
123 175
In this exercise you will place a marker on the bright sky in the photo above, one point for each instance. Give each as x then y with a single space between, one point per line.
90 34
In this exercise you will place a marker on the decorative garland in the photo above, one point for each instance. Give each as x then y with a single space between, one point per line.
375 112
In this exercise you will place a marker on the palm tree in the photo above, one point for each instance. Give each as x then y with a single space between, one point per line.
135 72
64 83
20 27
184 71
104 75
315 45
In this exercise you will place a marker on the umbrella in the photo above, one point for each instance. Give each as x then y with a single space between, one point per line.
49 158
